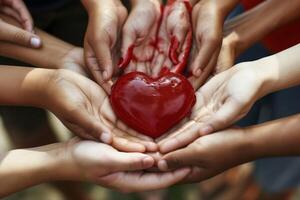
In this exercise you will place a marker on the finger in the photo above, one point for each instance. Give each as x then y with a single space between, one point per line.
197 82
94 69
177 159
27 21
126 145
130 161
158 64
207 48
104 58
17 35
224 117
11 13
182 138
138 181
91 126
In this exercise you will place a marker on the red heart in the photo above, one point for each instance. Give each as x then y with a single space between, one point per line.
152 106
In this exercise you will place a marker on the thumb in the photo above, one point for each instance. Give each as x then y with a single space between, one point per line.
18 36
121 161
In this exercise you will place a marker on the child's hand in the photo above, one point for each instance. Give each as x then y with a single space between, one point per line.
139 35
208 22
174 38
11 32
104 165
83 106
106 19
17 10
210 155
223 100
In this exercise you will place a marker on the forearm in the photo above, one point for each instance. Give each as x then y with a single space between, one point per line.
23 168
22 85
276 138
48 56
279 13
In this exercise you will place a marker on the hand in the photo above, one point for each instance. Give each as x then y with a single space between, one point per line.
106 19
10 30
208 21
227 54
104 165
17 10
210 155
223 100
139 36
84 108
174 38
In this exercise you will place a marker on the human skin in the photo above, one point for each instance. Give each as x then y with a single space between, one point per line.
23 35
213 154
238 37
228 96
106 19
57 54
81 161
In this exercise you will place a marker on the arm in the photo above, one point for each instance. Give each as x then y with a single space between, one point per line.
279 14
76 160
228 96
233 147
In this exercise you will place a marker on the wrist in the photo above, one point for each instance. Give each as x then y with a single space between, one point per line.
267 72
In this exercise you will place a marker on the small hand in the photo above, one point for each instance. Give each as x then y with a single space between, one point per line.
84 108
174 38
104 165
223 100
106 19
139 36
210 155
208 26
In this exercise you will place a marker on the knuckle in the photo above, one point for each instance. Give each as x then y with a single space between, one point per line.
19 36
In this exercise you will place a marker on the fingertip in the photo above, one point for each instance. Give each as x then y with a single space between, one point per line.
206 130
35 42
168 146
148 162
162 165
106 138
197 72
151 147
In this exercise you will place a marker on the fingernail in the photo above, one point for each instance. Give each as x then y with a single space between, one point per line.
198 72
35 42
148 162
105 75
206 130
162 165
106 138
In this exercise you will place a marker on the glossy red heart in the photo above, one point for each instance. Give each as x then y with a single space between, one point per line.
152 106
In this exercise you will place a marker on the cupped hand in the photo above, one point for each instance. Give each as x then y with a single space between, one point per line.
83 106
222 101
106 19
104 165
139 35
174 38
208 23
210 155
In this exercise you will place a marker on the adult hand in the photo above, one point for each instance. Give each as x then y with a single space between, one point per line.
84 108
174 38
106 19
10 30
223 100
139 35
210 155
